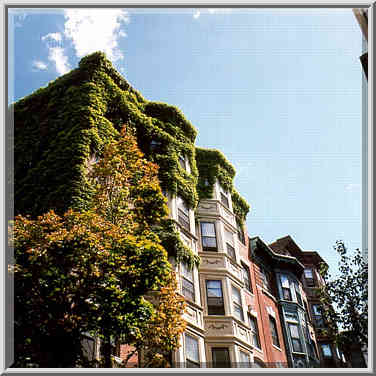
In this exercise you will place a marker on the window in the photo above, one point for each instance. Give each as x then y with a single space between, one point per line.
215 298
306 311
308 275
192 357
224 200
326 350
188 288
208 237
230 244
265 279
237 304
245 360
286 292
246 277
273 331
182 162
295 338
155 145
221 357
297 292
255 332
240 233
183 214
317 316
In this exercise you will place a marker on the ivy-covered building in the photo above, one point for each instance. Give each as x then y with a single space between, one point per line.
62 128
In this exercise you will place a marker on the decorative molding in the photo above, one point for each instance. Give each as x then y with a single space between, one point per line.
222 326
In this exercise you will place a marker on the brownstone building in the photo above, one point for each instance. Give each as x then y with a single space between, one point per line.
328 353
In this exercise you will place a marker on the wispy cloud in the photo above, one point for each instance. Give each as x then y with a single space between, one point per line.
52 36
93 30
199 12
39 65
352 187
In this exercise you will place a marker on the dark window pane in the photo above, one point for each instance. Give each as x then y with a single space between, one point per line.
215 298
183 219
246 277
224 200
286 294
188 289
182 162
273 330
221 357
255 333
231 251
208 236
209 243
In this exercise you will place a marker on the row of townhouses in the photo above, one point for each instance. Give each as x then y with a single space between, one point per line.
249 304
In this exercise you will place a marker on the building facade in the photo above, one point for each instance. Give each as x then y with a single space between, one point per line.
328 353
247 303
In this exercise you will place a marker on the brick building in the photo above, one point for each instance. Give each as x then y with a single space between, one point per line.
328 353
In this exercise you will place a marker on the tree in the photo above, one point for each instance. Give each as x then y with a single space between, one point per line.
88 272
345 298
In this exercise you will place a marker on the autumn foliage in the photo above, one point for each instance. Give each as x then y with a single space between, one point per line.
89 272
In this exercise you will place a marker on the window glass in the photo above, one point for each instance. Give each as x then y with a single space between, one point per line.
215 298
191 351
208 236
327 352
265 279
224 200
221 357
308 273
183 214
229 237
188 289
295 338
238 311
254 330
297 292
246 277
182 162
285 281
273 330
240 233
245 360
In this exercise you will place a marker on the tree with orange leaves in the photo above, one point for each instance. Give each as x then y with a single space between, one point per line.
88 272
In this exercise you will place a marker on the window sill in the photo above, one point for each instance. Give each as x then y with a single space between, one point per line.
277 348
298 353
266 292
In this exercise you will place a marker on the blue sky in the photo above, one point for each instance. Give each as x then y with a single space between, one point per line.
279 91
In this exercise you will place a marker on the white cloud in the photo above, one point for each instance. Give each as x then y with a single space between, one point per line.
52 36
58 57
39 65
196 14
95 30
